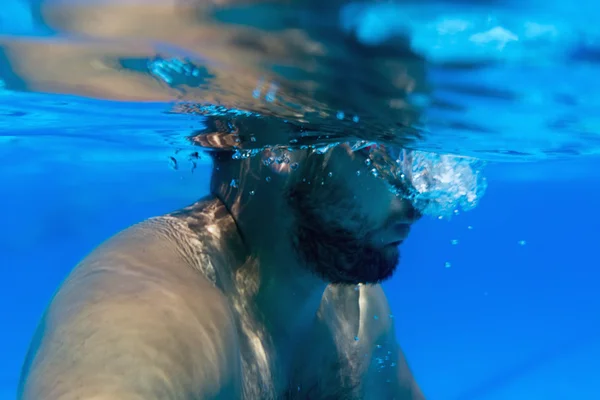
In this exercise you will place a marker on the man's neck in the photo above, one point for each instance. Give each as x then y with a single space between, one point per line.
273 282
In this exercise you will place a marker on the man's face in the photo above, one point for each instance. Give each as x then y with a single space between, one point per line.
347 224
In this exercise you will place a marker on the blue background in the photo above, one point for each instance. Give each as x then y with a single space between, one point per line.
505 321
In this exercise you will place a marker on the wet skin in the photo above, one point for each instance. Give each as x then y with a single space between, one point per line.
232 297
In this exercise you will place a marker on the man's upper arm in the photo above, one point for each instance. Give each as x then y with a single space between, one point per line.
119 330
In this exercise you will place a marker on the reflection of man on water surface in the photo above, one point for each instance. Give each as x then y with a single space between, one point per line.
249 293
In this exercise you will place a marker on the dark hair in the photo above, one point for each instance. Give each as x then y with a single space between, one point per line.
220 156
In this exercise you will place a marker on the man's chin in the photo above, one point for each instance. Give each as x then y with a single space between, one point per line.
369 271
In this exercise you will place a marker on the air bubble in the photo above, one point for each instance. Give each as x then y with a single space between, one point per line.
268 161
294 166
355 119
368 161
268 179
447 264
330 174
252 193
454 241
356 338
357 173
340 115
522 242
233 183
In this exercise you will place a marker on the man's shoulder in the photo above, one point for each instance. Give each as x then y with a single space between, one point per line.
139 293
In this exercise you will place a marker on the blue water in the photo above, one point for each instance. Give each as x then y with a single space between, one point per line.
505 321
497 303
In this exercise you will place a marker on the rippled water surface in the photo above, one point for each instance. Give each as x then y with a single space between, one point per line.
489 79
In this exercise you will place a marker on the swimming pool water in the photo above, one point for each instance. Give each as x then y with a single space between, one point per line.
496 303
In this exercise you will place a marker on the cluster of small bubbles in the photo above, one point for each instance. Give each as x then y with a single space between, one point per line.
359 145
454 241
324 149
384 360
283 159
443 183
374 172
233 183
221 111
242 154
268 161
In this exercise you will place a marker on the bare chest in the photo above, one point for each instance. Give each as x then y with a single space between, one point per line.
322 367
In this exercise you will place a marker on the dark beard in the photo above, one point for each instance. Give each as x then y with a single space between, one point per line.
336 254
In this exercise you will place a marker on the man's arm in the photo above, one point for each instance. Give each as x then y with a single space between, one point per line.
134 321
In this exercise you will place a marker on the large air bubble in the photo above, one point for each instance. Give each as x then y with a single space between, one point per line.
440 184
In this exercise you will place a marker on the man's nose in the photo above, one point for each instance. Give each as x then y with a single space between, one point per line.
412 213
405 210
